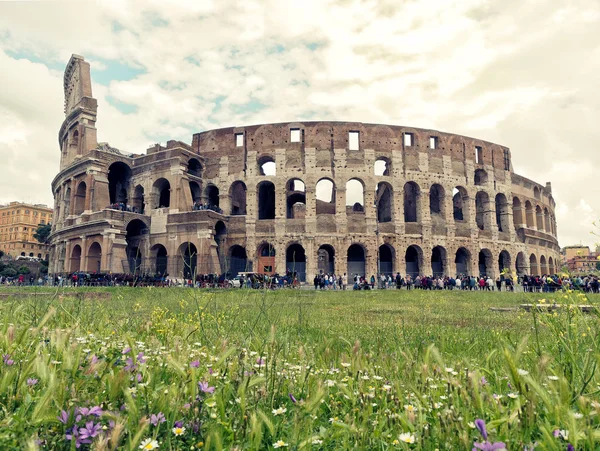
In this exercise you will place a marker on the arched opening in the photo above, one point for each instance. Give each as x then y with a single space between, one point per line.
463 262
238 198
547 221
459 203
481 177
355 195
386 260
162 190
296 199
438 261
134 237
75 258
67 209
517 212
411 202
196 193
502 213
220 234
138 200
357 263
188 257
534 270
482 210
212 194
238 260
267 166
159 254
266 259
436 200
80 196
266 200
384 202
413 258
551 269
521 264
383 167
536 192
504 262
39 256
295 261
543 266
485 262
119 178
325 194
94 257
539 218
529 215
326 259
194 167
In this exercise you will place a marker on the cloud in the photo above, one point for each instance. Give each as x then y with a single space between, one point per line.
520 74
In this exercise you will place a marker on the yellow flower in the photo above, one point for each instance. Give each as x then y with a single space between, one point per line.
279 444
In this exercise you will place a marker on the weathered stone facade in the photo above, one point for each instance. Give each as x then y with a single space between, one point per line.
431 203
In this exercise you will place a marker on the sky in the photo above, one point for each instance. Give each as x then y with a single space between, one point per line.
521 74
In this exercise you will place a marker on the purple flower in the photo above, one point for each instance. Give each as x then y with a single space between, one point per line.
139 378
63 417
89 411
487 446
31 382
7 360
90 430
187 406
178 424
141 358
260 361
480 424
293 398
195 364
570 447
157 419
483 381
129 365
210 371
204 388
126 351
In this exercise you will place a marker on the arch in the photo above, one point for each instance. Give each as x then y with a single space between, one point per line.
460 203
267 165
119 179
162 191
413 259
75 258
529 218
160 259
188 259
326 259
138 200
220 234
536 193
482 209
266 258
382 167
387 257
521 264
412 195
238 260
212 195
436 200
463 262
325 194
237 191
134 232
266 200
481 177
357 262
534 270
384 200
80 196
547 228
504 261
551 269
439 259
196 193
485 263
517 212
543 266
355 194
539 218
295 199
295 261
94 257
194 167
502 213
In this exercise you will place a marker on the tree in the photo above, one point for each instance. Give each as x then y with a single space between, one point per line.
23 270
42 233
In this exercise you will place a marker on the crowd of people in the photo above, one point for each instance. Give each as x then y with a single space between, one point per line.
124 207
208 206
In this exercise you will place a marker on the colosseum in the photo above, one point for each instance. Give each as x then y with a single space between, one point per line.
343 197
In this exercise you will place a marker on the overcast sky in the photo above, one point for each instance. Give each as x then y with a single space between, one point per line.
521 74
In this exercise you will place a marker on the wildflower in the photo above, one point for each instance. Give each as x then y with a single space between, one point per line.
486 446
63 417
407 437
7 360
513 395
449 370
31 382
89 411
317 441
386 387
553 378
395 442
90 430
195 364
522 372
578 415
149 444
279 444
330 383
178 431
126 351
204 388
293 398
279 411
562 433
157 419
345 365
211 404
483 381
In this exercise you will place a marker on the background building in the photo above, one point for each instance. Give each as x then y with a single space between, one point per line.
343 197
18 223
580 259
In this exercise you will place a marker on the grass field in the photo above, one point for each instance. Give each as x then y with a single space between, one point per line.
147 368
